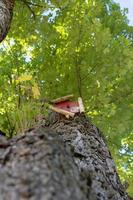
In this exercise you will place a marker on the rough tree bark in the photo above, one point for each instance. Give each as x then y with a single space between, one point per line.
62 159
6 13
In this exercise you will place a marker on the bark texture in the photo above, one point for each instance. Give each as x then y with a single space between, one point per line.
60 160
6 13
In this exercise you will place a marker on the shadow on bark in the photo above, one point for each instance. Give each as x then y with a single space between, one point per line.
62 159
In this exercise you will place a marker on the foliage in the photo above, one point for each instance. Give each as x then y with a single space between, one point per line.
81 47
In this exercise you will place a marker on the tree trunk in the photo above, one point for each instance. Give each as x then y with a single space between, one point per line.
6 12
63 159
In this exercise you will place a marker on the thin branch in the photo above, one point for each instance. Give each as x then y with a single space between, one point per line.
33 4
30 9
